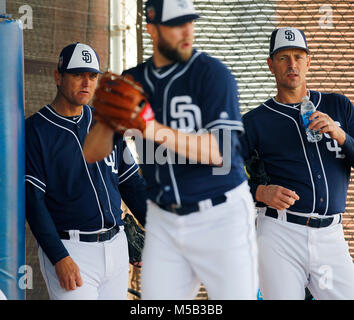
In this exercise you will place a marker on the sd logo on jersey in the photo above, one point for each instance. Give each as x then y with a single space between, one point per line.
335 147
111 161
188 116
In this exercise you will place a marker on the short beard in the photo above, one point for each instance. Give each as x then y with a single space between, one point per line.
170 53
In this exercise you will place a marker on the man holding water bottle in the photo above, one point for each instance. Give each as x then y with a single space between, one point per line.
300 235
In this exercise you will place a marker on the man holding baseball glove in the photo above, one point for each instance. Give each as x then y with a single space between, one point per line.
185 107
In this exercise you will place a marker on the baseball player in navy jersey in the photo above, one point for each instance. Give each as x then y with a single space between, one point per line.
200 223
72 207
299 231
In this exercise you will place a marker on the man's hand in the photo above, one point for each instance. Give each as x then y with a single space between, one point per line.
277 197
323 122
68 274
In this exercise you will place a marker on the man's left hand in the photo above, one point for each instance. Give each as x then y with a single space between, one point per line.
325 124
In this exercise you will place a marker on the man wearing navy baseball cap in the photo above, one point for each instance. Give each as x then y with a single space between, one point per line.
287 38
78 58
300 236
170 12
170 25
200 218
76 78
73 208
286 43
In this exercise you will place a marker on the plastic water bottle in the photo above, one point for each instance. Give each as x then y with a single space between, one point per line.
306 109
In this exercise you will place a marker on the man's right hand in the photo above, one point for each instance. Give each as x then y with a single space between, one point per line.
68 274
277 197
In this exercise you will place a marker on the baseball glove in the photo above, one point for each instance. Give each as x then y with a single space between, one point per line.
135 236
121 103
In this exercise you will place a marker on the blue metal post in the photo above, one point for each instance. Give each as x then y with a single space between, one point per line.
12 159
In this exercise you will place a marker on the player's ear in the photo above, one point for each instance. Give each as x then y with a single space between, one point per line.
308 60
270 65
151 29
57 77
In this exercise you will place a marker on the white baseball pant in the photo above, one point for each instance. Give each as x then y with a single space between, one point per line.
104 269
292 257
216 247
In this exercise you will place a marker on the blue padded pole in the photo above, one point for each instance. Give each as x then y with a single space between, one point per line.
12 159
2 7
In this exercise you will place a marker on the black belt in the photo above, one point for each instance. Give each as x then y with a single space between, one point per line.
312 222
92 237
192 207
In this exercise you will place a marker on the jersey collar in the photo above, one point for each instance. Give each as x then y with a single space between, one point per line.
314 96
69 119
161 73
83 122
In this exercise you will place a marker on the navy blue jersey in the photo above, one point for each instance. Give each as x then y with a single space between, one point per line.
199 95
318 172
75 195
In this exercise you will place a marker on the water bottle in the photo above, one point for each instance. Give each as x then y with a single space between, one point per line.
306 109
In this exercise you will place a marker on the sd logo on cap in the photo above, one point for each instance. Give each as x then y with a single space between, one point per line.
77 58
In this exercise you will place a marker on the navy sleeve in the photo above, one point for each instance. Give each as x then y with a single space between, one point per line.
249 147
131 186
220 98
42 225
220 107
37 214
133 192
348 147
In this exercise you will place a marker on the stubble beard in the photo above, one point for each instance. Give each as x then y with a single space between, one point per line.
173 54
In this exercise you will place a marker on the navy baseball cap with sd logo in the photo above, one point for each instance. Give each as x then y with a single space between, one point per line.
287 38
170 12
77 58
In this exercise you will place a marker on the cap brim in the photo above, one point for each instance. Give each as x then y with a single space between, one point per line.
81 70
289 47
180 20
